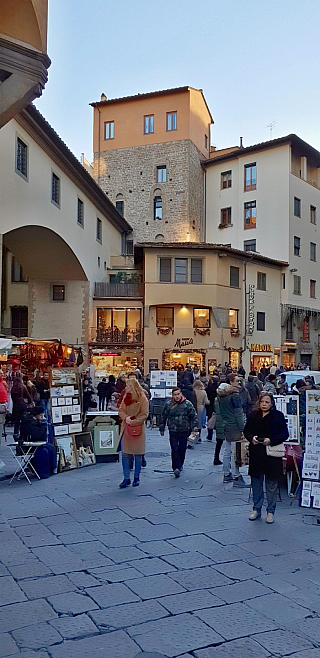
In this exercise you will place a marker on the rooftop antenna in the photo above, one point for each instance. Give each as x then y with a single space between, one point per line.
271 126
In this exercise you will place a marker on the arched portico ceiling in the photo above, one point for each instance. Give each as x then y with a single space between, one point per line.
43 254
26 21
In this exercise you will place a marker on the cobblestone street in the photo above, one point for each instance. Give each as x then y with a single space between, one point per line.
171 568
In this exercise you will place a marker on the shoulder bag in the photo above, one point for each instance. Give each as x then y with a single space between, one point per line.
134 430
276 451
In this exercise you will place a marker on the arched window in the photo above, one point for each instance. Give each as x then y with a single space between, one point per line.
157 207
120 204
159 237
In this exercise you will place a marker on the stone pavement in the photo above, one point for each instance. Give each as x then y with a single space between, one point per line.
171 568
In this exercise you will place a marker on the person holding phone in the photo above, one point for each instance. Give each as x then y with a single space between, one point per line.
265 427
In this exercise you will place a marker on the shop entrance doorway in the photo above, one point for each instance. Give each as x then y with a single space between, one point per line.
173 359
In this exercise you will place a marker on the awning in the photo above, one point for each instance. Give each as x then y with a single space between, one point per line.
5 344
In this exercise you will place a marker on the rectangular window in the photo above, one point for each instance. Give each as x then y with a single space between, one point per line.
181 270
296 285
165 316
157 207
234 277
99 230
283 281
225 217
162 174
58 293
289 327
250 214
99 261
109 130
129 247
196 270
250 245
201 318
120 207
261 321
312 289
250 177
17 274
22 158
313 251
171 121
165 270
296 245
313 215
233 319
297 207
226 179
261 281
55 189
148 123
80 216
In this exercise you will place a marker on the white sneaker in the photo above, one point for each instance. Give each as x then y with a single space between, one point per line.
254 515
269 518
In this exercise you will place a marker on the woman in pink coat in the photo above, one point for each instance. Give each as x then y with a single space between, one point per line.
133 411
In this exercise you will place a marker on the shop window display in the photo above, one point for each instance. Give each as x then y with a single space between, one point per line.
201 318
118 325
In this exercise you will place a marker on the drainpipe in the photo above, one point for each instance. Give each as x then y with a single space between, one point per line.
98 145
245 307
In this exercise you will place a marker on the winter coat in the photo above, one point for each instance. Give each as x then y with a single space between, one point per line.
212 394
246 401
254 392
21 398
188 392
3 392
231 408
102 389
120 386
202 398
33 429
179 416
269 387
274 427
188 374
219 420
138 412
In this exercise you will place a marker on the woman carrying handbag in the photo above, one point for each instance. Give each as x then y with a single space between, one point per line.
133 411
266 430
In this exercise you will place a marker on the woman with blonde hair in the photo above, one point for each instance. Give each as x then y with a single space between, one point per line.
133 411
202 401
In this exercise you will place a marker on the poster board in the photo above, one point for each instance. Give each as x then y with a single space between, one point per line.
65 399
310 495
289 405
162 383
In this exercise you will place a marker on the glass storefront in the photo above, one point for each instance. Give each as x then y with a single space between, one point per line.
111 363
118 325
173 359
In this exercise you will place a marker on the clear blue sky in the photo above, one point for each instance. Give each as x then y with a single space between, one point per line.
256 60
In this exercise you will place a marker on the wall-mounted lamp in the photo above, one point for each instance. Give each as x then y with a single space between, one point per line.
183 307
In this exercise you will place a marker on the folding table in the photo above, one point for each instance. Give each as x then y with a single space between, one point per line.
24 460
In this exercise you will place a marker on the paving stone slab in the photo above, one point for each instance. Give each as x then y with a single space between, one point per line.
279 608
59 558
204 545
238 570
152 587
124 554
229 536
10 592
112 516
75 538
129 614
309 653
244 648
159 548
72 603
117 539
174 635
4 571
95 527
29 653
235 620
281 643
7 645
82 579
189 601
116 645
110 595
44 587
75 627
35 569
152 566
309 627
144 530
275 583
144 654
27 520
246 589
18 615
120 575
65 528
188 560
37 636
204 577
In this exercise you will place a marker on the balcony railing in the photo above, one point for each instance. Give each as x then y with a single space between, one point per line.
104 289
18 332
116 336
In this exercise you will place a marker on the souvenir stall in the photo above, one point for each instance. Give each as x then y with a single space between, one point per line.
289 405
310 494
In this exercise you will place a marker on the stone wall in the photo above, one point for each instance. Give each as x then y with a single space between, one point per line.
132 173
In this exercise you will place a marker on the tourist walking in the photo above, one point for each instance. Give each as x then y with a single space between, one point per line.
233 423
202 401
265 427
133 411
181 417
219 427
102 390
211 392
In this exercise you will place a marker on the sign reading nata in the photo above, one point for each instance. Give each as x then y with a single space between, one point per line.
257 347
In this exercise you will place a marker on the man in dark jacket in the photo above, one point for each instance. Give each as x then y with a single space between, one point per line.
188 392
233 421
181 417
102 389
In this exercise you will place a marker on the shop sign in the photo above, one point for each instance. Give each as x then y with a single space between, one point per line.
257 347
182 342
251 309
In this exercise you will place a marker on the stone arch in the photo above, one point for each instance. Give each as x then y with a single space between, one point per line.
159 237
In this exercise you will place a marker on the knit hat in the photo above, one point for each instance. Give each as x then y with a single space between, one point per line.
223 385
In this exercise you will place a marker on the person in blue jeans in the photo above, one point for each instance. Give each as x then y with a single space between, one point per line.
265 427
181 417
133 411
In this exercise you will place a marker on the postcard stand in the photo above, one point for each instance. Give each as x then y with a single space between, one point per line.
161 385
310 494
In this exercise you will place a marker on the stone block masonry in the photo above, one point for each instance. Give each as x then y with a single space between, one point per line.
132 173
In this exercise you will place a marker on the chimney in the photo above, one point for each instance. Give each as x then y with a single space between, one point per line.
103 98
241 144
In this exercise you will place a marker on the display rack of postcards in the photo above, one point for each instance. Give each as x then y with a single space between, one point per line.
310 495
66 414
289 405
